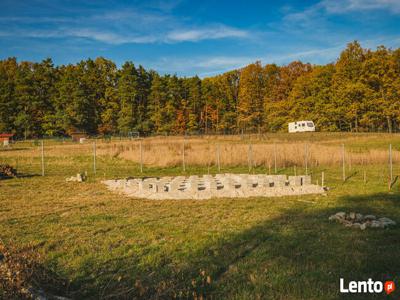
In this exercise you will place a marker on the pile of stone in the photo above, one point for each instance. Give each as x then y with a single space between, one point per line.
7 171
80 177
356 220
219 186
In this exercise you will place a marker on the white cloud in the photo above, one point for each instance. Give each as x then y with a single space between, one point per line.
208 33
31 33
208 66
205 66
109 37
116 27
116 38
344 6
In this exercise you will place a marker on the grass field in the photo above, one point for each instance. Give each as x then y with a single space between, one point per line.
109 246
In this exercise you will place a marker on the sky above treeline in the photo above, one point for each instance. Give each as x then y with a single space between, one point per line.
188 38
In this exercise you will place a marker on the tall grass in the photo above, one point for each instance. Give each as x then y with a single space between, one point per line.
203 152
233 151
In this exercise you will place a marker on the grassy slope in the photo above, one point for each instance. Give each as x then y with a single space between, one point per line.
283 248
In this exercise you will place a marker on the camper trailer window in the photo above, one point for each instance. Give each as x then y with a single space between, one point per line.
310 124
303 124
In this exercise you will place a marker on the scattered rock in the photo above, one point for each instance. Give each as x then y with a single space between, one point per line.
375 224
359 217
7 171
80 177
346 223
369 217
386 221
363 226
333 217
357 220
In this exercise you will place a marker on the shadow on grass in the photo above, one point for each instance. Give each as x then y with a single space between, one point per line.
19 175
358 201
298 255
26 175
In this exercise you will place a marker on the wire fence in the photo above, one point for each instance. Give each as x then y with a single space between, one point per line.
105 159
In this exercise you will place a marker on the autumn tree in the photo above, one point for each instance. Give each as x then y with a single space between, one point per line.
359 92
251 96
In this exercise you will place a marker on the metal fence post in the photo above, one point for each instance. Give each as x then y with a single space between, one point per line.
42 154
183 155
343 164
141 156
275 158
94 157
390 166
306 157
218 158
250 158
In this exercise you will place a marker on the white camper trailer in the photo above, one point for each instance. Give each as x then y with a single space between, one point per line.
301 126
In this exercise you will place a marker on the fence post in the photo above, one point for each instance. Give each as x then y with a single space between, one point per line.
218 158
306 157
322 179
275 157
343 163
42 155
141 156
209 158
250 158
390 166
183 155
94 157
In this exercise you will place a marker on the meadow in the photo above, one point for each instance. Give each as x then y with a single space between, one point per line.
107 246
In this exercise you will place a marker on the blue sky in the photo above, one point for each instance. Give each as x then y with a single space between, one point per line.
194 37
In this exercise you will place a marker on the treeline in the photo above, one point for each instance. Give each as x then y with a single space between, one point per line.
359 92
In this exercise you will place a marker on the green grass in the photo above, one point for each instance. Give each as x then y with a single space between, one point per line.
111 246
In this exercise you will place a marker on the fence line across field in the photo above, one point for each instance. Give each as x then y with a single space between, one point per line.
282 155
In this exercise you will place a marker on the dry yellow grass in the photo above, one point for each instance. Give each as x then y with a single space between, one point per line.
232 150
112 247
287 154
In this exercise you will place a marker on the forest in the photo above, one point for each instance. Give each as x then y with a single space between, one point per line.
358 92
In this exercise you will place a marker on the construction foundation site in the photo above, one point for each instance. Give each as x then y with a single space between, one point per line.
218 186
